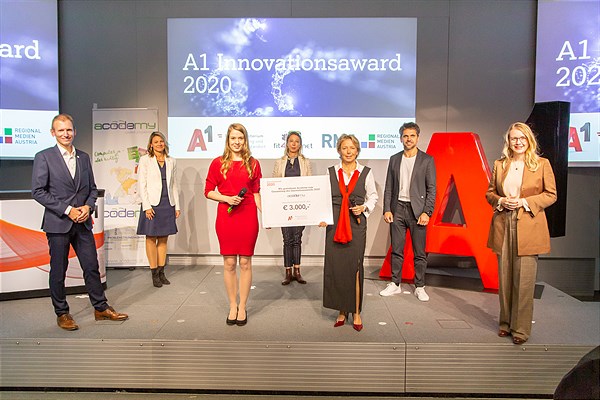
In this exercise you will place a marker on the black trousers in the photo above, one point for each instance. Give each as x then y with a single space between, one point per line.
404 219
83 243
292 245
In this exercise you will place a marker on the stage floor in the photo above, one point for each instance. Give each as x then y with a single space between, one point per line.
176 338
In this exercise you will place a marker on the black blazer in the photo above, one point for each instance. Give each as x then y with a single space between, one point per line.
422 184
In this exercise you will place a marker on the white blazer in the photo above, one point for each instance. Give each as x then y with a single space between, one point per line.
150 182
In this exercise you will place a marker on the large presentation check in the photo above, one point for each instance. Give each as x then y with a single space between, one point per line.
296 201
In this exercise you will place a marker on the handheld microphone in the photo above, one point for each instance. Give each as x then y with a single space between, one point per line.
356 216
240 194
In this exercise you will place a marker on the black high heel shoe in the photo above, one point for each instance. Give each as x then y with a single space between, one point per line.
231 321
242 322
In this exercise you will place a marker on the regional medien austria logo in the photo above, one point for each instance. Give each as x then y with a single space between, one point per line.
20 136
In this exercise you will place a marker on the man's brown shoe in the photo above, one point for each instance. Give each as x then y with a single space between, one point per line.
110 314
67 322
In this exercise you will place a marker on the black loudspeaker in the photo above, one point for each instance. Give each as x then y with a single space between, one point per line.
550 122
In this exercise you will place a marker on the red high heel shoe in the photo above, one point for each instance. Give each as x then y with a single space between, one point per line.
340 323
357 327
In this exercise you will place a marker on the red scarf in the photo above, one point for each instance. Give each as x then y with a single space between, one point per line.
343 233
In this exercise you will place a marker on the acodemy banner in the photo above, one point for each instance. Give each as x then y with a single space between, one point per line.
120 136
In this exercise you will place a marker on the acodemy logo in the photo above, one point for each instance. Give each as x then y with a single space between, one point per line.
124 126
198 140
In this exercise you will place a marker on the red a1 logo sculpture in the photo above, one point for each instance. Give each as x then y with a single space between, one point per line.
460 165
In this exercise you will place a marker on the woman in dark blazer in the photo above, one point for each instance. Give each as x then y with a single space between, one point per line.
521 188
293 163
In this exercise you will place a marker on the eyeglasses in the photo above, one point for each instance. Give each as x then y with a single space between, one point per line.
294 133
522 139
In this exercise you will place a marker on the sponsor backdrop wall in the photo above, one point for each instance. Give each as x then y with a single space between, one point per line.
568 69
320 76
28 76
474 72
120 139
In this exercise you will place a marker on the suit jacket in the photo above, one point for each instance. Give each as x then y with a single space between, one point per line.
279 168
422 184
539 189
53 187
150 182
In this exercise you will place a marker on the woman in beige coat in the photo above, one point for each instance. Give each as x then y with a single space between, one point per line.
293 163
522 187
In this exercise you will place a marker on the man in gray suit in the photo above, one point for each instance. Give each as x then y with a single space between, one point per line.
408 204
63 182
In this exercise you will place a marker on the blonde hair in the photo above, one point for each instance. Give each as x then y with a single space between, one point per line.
287 138
345 137
531 154
226 158
149 147
64 118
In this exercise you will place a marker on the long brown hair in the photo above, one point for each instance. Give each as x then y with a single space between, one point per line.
226 158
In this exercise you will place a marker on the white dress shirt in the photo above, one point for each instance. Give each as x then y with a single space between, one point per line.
71 163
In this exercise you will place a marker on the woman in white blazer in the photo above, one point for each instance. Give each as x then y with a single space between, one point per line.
293 163
159 194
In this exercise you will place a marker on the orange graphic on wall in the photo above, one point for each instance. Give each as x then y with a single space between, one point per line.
27 248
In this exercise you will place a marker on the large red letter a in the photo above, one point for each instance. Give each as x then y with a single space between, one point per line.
460 165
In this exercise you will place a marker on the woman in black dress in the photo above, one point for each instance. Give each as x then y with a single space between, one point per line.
354 196
157 188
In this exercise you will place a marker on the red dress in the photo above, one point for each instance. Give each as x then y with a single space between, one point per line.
237 231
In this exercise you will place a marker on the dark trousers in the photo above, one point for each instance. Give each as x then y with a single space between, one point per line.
83 243
292 245
404 219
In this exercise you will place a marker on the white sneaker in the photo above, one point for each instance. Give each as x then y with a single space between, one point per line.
391 289
420 293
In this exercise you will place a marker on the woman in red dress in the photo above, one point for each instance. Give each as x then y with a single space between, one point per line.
234 182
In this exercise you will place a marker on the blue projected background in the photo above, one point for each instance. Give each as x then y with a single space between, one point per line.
319 76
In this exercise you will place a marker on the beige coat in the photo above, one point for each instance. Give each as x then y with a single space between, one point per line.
279 168
539 189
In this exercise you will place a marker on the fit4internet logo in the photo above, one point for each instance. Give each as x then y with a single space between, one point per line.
7 136
198 139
